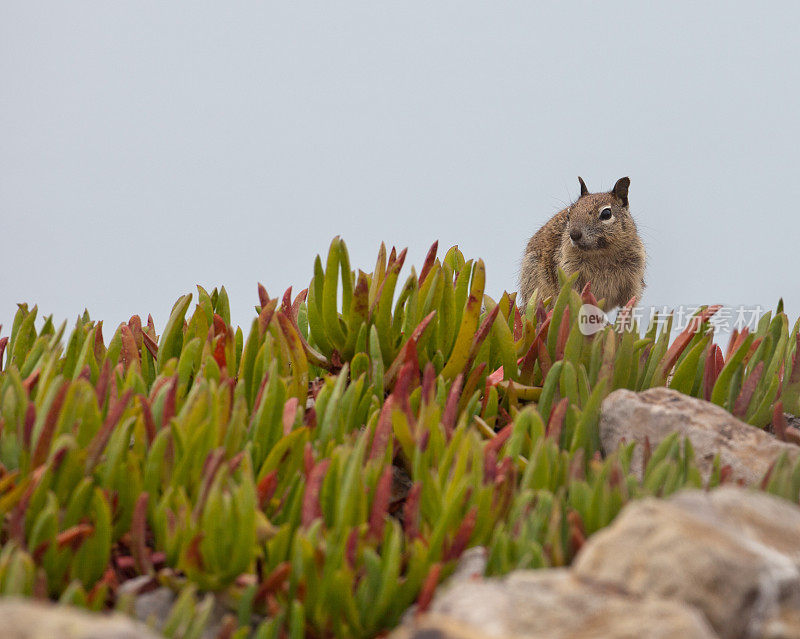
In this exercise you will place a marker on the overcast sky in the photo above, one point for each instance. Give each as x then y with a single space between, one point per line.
149 146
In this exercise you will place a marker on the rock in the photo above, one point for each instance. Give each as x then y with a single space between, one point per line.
732 553
471 565
792 433
658 412
137 585
154 607
758 516
550 604
785 626
26 619
153 604
793 421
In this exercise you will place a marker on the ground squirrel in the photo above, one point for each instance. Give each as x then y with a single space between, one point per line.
596 236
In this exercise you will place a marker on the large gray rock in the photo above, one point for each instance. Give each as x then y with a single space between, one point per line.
732 553
26 619
656 413
551 604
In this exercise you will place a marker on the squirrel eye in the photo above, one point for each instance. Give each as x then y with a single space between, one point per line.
605 214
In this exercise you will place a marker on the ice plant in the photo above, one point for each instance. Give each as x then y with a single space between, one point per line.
324 469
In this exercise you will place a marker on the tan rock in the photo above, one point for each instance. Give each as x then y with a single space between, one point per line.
786 625
731 553
658 412
551 604
26 619
759 516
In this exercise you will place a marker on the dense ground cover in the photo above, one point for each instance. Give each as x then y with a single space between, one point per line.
322 470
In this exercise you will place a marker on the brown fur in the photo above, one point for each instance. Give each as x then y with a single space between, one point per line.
610 254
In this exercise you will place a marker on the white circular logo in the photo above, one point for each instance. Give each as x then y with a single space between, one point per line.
591 319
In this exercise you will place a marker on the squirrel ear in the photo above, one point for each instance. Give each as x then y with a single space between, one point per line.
584 190
620 190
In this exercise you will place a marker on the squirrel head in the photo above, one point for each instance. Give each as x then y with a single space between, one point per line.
598 221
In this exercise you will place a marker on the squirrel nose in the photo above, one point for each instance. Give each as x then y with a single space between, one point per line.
575 234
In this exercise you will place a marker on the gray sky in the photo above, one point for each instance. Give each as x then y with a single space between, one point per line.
149 146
